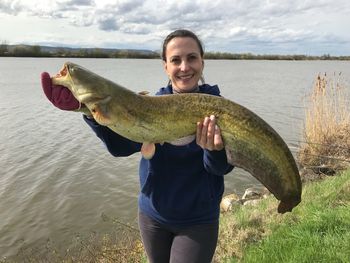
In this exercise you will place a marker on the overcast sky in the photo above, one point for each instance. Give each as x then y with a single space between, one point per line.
310 27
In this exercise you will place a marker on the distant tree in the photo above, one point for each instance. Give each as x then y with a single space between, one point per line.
61 52
27 51
20 51
35 50
98 53
326 56
3 48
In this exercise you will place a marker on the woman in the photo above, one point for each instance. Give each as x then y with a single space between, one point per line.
181 186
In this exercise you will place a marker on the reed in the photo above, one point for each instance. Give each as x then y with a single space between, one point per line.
327 126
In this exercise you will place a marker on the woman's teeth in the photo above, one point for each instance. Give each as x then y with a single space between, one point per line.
185 77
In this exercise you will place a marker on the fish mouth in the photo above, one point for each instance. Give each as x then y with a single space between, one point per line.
63 72
61 77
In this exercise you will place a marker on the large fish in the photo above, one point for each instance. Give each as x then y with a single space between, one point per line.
249 141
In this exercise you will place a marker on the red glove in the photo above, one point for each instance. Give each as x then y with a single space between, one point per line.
60 96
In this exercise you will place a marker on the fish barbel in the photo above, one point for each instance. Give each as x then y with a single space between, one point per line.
250 142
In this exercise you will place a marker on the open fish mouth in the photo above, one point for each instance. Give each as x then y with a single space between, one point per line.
63 72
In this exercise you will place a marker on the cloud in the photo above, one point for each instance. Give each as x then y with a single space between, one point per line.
221 24
10 7
138 29
77 2
108 24
126 6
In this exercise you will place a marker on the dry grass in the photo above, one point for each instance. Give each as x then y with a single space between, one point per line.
327 126
122 246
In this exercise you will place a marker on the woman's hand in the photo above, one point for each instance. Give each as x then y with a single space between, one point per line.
208 134
60 96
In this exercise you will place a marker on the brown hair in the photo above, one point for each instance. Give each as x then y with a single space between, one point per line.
181 33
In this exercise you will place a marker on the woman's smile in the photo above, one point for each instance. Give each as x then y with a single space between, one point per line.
185 77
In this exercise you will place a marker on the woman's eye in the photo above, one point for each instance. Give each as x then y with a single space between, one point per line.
191 58
175 61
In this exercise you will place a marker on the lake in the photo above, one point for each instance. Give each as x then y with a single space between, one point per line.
57 180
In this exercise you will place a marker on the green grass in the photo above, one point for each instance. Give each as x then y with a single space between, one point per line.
318 230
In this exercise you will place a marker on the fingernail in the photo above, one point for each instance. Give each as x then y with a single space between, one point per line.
212 117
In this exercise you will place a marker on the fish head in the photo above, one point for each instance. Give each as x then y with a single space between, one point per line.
91 90
85 85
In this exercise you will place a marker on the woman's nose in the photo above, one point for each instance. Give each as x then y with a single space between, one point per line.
184 65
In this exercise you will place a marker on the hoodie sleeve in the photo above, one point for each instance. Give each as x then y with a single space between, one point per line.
116 144
215 162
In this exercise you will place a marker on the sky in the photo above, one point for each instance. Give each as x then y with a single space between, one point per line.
308 27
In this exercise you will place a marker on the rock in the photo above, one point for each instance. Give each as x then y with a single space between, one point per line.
228 201
251 196
255 193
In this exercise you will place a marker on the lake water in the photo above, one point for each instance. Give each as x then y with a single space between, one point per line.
57 179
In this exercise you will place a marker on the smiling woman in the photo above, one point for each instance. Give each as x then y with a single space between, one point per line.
181 186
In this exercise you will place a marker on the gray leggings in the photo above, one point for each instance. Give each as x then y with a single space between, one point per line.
166 244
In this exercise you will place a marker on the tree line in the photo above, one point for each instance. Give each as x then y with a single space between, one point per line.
37 51
225 55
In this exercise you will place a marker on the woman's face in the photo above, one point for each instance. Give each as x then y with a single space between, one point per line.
184 64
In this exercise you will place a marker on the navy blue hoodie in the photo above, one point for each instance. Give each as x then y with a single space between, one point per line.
180 185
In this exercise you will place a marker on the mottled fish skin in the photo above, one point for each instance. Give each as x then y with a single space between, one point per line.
250 142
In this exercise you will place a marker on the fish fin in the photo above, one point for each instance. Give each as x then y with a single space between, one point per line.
184 140
144 92
147 150
100 112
